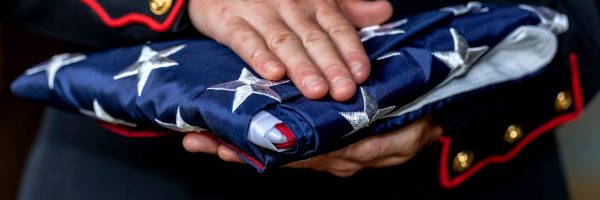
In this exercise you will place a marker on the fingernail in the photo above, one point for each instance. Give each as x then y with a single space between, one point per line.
356 67
358 70
195 145
272 67
313 82
340 83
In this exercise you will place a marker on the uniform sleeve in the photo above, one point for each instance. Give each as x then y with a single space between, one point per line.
494 128
105 23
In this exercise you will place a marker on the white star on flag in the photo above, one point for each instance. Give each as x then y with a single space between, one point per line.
101 114
180 125
381 30
370 113
148 61
55 64
247 85
473 6
462 56
389 55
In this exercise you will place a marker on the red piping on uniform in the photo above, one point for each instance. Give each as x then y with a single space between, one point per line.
131 18
132 133
446 141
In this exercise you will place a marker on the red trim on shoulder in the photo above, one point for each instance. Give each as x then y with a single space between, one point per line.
130 132
447 182
139 18
289 135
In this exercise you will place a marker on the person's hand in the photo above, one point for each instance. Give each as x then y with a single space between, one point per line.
313 42
391 149
386 150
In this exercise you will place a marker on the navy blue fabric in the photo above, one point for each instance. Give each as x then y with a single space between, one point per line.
317 125
74 159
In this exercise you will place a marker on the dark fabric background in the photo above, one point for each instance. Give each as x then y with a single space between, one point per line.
19 119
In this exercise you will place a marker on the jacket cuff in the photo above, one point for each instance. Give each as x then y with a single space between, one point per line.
158 15
497 135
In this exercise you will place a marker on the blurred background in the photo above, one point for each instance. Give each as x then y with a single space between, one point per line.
579 142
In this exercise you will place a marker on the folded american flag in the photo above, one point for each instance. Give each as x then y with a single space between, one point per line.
420 64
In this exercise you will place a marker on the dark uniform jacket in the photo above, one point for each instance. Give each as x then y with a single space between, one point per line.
495 146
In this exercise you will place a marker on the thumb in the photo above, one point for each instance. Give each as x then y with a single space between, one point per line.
363 13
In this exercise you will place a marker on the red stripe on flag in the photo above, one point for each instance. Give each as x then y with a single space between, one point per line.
289 135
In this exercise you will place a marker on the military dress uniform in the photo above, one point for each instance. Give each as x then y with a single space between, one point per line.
496 146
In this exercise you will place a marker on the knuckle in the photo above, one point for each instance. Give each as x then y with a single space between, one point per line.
314 38
341 27
231 23
257 54
282 38
243 38
224 11
368 152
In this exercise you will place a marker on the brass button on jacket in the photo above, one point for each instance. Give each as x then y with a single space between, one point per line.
513 133
563 101
462 161
160 7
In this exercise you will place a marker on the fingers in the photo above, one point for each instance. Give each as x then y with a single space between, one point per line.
336 166
300 68
346 40
366 13
311 42
246 42
401 143
435 131
229 155
204 143
324 53
389 161
378 147
200 143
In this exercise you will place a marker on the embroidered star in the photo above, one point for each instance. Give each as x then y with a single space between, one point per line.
247 85
101 114
180 125
55 64
370 32
148 61
370 113
389 55
474 7
462 56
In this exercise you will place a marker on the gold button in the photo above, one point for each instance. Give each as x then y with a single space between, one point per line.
513 133
462 161
160 7
563 102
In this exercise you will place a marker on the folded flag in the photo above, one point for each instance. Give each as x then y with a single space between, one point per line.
419 65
